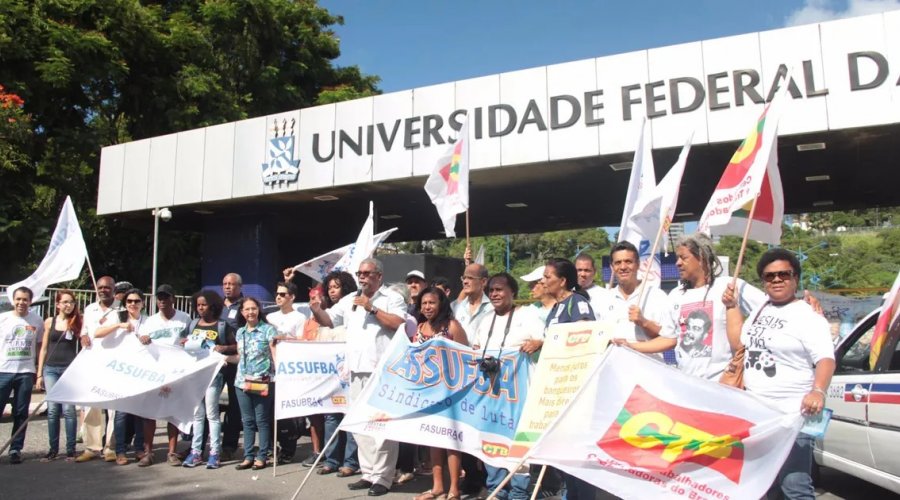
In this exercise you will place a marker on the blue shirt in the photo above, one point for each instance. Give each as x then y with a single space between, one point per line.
574 308
254 351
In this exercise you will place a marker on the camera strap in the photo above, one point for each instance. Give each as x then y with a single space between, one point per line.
505 331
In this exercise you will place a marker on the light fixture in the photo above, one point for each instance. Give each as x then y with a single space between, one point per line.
622 165
823 203
391 216
325 197
517 205
204 212
684 214
811 146
817 178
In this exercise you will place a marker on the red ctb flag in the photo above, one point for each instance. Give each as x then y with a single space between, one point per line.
890 311
660 433
448 184
753 169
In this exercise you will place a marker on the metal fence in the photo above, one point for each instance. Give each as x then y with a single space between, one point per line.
85 297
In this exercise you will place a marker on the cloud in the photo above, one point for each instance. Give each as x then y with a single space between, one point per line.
816 11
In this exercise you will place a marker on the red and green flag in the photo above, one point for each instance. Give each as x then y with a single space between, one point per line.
448 184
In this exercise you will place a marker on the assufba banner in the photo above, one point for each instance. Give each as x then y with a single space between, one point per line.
310 378
153 381
435 394
659 433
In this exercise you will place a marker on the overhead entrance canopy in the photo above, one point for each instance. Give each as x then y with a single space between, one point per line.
550 145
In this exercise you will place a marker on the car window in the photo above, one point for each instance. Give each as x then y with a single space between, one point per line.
856 357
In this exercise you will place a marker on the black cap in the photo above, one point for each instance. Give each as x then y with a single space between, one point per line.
165 290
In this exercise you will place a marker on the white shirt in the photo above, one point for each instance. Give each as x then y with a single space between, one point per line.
366 339
784 343
165 331
18 336
701 352
655 307
290 324
598 295
118 336
95 315
468 320
525 325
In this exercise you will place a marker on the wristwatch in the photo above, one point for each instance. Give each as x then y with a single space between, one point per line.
373 311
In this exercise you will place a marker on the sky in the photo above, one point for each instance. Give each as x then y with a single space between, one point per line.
415 43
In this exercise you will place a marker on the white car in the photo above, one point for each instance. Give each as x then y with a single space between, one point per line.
863 438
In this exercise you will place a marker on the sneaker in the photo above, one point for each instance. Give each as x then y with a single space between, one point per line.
70 456
15 457
173 460
146 460
212 462
192 460
403 477
284 459
49 457
86 456
310 460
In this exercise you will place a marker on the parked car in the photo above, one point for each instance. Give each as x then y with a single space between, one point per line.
863 438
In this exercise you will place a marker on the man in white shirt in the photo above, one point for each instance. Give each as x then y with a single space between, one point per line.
164 327
95 315
587 270
19 331
646 327
473 305
371 317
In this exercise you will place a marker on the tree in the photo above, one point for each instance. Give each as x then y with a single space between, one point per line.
98 72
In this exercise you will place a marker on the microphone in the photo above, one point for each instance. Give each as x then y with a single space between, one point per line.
358 293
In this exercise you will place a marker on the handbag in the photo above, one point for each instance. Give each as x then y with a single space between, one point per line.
257 385
734 371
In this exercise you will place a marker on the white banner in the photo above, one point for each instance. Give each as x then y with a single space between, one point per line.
641 429
319 267
65 256
153 381
311 379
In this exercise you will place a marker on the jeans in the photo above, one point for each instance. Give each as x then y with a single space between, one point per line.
578 489
20 384
231 426
51 375
120 431
255 416
208 410
518 485
795 476
342 451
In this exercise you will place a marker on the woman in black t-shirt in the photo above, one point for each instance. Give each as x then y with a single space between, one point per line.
58 350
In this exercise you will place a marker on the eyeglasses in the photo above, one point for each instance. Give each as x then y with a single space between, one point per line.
782 275
467 277
133 301
66 302
365 274
281 294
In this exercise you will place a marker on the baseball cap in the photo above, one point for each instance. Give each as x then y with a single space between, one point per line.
165 290
536 275
123 286
415 274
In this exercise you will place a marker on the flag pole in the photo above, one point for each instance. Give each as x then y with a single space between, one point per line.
649 263
537 484
468 243
23 426
740 261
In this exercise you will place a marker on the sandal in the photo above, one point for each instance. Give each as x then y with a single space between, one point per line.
326 469
430 495
49 457
246 464
453 496
121 459
258 464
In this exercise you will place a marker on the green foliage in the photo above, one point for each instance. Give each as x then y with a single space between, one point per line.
93 73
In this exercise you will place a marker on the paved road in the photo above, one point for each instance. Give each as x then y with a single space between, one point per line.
33 480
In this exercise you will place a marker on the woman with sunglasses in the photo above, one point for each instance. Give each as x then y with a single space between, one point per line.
789 357
255 345
58 350
110 336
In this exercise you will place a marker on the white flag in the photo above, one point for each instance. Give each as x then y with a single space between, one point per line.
641 429
479 257
659 205
319 267
154 381
362 249
448 184
640 185
64 259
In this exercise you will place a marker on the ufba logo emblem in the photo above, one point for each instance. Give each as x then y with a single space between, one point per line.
656 435
281 165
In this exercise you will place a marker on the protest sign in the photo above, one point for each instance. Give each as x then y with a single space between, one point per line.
569 354
153 381
310 378
660 433
435 394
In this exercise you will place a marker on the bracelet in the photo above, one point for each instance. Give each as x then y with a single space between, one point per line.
820 391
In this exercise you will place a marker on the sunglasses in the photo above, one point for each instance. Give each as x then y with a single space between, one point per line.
133 301
281 294
365 274
782 275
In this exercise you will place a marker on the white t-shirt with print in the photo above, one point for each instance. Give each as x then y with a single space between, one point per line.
699 315
655 307
165 331
18 336
783 344
525 325
290 324
95 316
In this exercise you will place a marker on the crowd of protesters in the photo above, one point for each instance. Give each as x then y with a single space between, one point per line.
698 326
